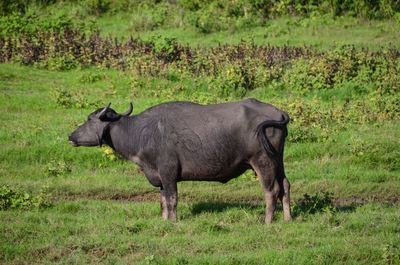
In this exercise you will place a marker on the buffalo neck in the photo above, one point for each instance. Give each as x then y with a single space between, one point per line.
120 136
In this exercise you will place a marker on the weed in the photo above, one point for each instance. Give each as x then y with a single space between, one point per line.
67 99
150 259
32 23
63 97
58 168
97 7
91 77
109 156
311 204
166 49
109 153
391 254
230 83
12 198
59 63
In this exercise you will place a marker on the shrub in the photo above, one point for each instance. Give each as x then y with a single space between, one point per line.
149 17
212 15
97 7
59 63
109 157
311 204
12 198
238 78
32 23
10 6
57 168
91 77
210 20
109 154
230 82
166 49
78 99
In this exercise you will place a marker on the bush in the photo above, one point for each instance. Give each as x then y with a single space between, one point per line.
212 15
91 77
32 23
210 20
67 99
109 156
57 168
10 6
12 198
166 49
97 7
149 17
59 63
230 82
311 204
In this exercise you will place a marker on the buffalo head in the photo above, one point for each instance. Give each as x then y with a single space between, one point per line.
92 131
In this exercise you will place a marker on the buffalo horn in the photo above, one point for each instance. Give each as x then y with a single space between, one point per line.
101 113
127 113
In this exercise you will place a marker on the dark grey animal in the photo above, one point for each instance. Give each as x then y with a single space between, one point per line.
181 141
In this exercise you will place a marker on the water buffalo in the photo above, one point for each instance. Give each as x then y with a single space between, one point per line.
180 141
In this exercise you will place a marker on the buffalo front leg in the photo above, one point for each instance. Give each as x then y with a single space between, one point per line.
169 192
163 204
169 202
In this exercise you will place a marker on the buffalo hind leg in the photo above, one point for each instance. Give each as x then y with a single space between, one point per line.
266 171
284 196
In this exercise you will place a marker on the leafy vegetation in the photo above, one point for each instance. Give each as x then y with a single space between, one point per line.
311 204
333 65
11 198
213 15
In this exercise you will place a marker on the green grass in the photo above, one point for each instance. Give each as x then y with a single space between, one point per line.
106 212
132 233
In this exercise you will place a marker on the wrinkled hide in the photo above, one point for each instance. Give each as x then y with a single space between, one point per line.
180 141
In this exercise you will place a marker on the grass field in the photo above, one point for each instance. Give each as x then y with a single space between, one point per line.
102 209
105 211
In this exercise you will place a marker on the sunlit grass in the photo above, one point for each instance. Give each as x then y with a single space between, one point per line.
106 211
128 232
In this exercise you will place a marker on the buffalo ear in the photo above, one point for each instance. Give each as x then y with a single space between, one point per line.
110 116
